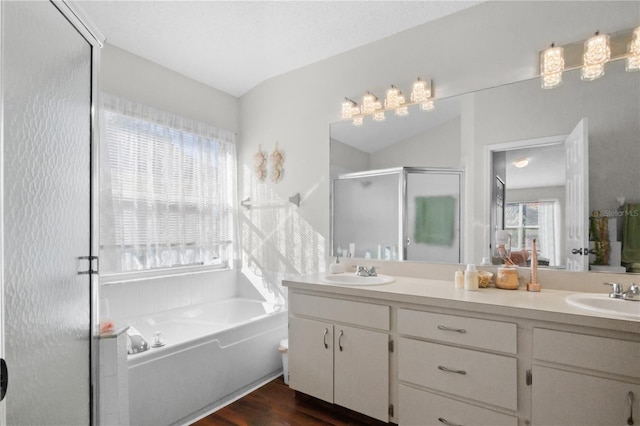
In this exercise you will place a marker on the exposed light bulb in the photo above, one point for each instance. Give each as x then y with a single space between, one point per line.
633 61
597 52
551 66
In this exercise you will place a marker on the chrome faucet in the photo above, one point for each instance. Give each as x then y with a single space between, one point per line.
366 271
618 292
633 293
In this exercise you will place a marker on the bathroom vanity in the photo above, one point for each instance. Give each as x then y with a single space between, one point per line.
418 351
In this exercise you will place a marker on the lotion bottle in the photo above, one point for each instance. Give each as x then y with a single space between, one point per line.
471 278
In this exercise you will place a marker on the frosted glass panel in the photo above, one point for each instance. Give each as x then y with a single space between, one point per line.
46 81
366 212
433 216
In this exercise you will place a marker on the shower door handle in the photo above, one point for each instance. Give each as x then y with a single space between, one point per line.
4 378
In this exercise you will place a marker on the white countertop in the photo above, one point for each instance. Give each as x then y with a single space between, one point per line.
547 305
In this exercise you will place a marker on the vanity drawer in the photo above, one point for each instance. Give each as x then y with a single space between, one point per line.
346 311
592 352
483 334
476 375
419 408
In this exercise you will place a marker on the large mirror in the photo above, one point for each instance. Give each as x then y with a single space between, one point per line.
475 131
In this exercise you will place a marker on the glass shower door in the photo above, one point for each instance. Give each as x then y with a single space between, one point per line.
433 209
46 95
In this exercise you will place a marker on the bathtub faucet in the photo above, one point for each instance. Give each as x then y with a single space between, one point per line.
365 271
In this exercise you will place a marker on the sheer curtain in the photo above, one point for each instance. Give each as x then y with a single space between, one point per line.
167 190
550 231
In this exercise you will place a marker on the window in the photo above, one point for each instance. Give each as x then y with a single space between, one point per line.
540 220
167 190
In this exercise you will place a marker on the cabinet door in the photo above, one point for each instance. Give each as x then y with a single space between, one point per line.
311 357
362 371
564 398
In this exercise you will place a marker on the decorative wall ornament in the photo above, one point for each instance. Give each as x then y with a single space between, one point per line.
276 164
260 164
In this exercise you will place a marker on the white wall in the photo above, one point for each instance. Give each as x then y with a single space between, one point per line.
295 109
483 46
131 77
438 147
347 159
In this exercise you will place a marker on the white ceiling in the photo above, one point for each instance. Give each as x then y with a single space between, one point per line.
546 167
235 45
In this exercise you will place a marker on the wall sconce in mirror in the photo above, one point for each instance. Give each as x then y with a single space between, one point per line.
590 56
395 101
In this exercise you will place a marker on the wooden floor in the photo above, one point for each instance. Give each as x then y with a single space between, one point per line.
276 404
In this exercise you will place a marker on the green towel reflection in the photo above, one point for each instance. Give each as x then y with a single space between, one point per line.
435 219
631 234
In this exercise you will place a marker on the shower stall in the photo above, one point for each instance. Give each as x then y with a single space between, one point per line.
405 213
47 75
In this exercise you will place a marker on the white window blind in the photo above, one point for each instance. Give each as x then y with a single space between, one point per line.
167 190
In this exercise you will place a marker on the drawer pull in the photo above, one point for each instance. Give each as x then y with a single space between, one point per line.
447 422
340 340
457 330
448 370
630 396
324 338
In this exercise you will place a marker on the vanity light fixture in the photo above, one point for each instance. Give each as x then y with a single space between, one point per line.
421 91
597 52
392 102
633 61
421 94
590 56
402 108
370 103
552 66
349 109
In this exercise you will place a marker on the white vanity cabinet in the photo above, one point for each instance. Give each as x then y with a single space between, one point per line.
339 352
456 370
581 379
492 357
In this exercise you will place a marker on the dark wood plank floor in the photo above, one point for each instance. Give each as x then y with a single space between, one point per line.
275 404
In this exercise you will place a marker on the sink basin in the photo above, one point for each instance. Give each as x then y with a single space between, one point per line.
353 279
604 304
